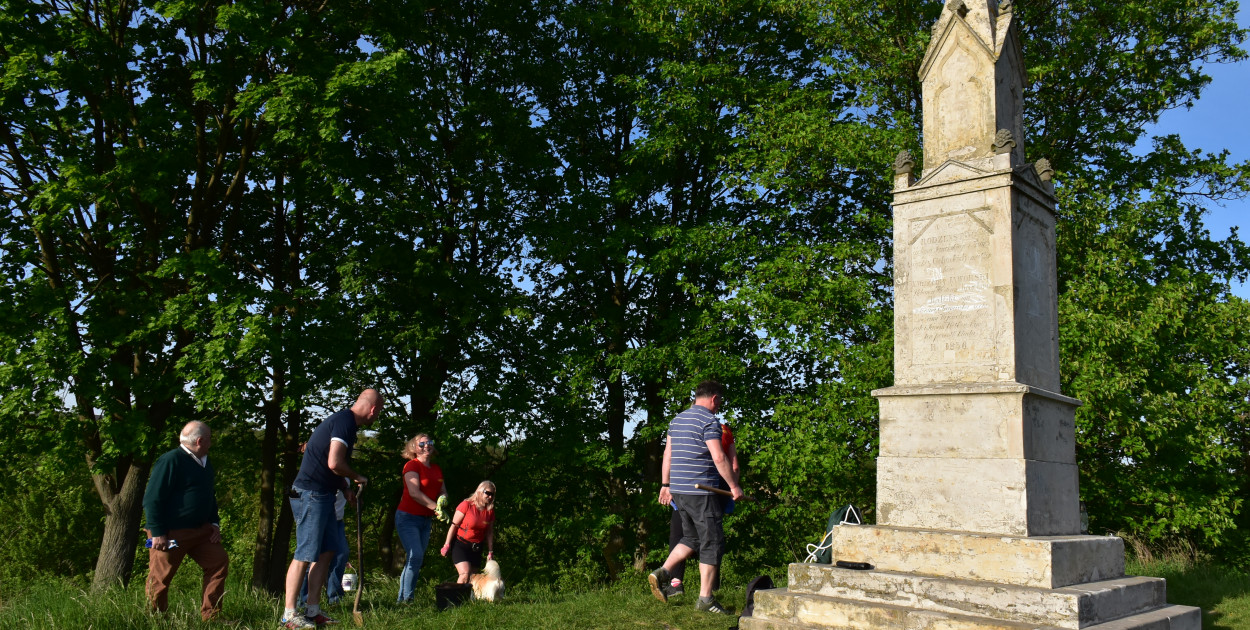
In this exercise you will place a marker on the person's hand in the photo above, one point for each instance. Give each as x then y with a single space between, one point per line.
350 495
360 483
215 537
490 555
160 543
666 497
737 492
444 550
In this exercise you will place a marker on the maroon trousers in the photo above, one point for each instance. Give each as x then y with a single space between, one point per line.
162 565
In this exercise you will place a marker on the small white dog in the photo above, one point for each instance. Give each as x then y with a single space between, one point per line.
488 584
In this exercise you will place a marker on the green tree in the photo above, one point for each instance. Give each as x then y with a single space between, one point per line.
124 152
1151 338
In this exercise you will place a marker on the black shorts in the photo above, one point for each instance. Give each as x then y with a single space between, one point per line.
702 523
462 551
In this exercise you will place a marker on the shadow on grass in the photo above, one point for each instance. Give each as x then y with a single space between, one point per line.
1223 594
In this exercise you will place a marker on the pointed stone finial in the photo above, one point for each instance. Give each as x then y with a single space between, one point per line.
1044 171
973 86
1004 6
1003 142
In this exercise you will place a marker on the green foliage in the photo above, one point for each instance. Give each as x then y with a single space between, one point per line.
536 226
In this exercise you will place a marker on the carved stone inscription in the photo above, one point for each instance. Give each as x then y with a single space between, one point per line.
952 295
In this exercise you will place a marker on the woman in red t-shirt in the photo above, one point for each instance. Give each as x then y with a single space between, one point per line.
423 484
472 529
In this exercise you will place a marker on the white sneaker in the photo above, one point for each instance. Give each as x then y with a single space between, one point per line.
297 622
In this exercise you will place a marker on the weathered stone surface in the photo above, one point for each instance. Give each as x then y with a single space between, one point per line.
1069 607
1012 497
972 77
975 289
818 611
982 421
782 610
1038 561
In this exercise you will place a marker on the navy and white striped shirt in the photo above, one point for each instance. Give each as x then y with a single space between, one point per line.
691 461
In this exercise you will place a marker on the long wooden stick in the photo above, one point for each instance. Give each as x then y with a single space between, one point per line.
724 493
357 616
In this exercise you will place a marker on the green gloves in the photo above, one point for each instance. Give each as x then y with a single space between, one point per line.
440 509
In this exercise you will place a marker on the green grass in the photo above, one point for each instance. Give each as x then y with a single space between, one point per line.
1224 596
58 604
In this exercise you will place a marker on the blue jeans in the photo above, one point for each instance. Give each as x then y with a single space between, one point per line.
414 534
315 531
334 580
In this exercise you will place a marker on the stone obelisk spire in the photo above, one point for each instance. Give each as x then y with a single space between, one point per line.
977 484
974 434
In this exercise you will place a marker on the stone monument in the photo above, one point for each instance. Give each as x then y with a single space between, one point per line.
978 522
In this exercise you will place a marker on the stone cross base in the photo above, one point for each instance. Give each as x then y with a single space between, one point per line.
933 580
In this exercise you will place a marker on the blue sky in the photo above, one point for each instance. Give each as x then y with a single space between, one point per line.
1217 121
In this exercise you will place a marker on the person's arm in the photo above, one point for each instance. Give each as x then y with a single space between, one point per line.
723 467
154 500
340 462
451 531
666 464
731 453
490 540
412 481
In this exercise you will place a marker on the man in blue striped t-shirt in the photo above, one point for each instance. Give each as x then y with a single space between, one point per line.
693 455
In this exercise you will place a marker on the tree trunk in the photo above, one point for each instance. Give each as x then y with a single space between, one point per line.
391 560
279 554
263 553
653 452
123 509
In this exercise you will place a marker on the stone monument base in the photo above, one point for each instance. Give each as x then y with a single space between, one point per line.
934 580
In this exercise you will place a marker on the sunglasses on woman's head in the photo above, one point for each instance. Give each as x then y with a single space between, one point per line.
425 444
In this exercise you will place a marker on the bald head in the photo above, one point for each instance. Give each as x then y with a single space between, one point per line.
368 406
197 437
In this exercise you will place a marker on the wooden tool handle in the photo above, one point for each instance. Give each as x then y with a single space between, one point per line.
724 493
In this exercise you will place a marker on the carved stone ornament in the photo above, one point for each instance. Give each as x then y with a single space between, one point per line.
959 7
1004 6
903 163
1004 142
1044 171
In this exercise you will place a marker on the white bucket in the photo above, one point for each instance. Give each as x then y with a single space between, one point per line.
349 581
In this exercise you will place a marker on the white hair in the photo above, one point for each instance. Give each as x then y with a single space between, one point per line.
194 430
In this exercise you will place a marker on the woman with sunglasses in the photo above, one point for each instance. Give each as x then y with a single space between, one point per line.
472 529
423 486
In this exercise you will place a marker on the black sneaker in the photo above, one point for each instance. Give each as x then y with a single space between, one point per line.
711 605
659 580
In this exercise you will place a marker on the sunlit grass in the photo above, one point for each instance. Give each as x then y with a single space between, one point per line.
1223 594
60 604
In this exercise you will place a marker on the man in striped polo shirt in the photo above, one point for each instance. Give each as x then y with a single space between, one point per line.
693 455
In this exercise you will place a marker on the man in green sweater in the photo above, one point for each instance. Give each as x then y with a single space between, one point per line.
181 510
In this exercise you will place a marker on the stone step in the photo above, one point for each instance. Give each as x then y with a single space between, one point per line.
1165 618
1041 561
1068 607
781 610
